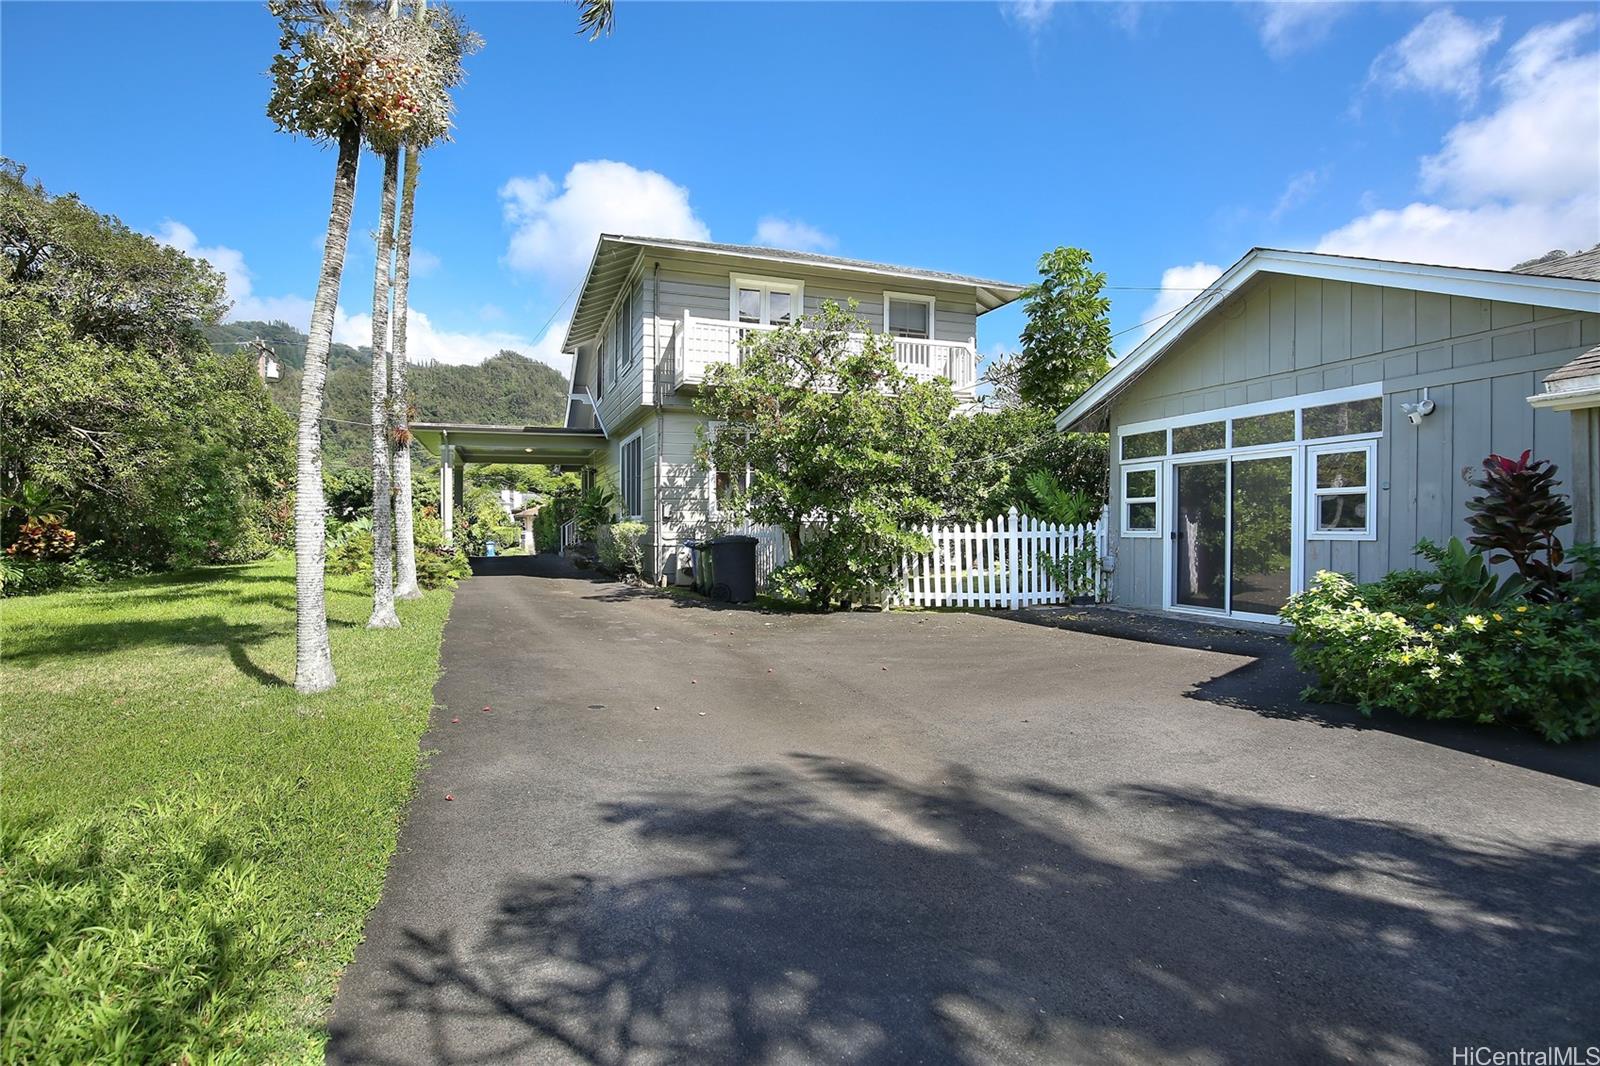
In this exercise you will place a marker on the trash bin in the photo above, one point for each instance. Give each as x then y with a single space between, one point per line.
732 573
489 548
700 560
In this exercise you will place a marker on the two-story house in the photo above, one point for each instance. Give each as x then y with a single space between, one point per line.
654 314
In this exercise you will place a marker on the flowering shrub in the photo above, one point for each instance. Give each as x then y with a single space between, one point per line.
1520 663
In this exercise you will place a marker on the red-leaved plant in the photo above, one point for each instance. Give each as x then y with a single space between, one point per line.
1516 520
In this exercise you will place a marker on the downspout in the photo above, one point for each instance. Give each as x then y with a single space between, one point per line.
658 395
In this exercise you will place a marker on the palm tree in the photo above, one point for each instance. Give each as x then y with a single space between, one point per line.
406 587
344 76
309 97
383 590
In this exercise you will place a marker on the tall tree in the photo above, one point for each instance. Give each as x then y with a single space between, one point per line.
1066 345
383 586
406 587
341 76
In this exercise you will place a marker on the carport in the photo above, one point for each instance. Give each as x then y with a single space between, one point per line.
459 443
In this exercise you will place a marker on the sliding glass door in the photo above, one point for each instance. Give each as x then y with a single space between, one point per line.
1200 535
1261 541
1232 535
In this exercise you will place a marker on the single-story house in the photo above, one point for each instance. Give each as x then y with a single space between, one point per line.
1312 411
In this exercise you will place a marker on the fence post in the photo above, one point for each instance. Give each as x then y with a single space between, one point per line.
1012 527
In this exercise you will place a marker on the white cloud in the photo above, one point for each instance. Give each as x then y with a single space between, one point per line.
1442 54
1512 183
1297 192
1179 285
427 342
423 262
423 339
1032 15
295 310
554 231
1291 26
792 234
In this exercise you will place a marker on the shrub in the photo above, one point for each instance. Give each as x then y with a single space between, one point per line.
350 552
141 934
1517 517
1522 663
621 547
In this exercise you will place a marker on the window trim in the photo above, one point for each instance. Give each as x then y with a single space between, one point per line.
1296 403
794 286
931 302
636 437
1123 499
713 504
1314 495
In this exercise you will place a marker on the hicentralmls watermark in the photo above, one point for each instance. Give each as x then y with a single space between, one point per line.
1526 1056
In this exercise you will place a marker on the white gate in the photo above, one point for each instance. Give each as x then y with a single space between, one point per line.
1000 563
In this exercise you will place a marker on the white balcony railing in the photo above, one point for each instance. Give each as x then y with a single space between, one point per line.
700 342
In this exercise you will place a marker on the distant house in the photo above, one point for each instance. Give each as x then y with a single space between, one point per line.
654 314
1313 412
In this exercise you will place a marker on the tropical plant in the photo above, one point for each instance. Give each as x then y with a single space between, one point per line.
1066 343
596 508
1463 579
1059 504
839 441
1516 520
994 452
341 76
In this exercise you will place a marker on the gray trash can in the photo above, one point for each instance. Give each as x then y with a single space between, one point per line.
732 573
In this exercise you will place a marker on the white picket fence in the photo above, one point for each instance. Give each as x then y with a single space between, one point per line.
997 563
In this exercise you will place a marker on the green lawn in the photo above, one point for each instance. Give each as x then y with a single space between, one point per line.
188 847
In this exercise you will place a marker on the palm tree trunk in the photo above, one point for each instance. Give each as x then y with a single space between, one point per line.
406 587
383 613
313 657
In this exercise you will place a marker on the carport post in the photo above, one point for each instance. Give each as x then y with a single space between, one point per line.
447 493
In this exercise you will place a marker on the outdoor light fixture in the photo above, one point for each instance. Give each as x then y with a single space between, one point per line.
1416 412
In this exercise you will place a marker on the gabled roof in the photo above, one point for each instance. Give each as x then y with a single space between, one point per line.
1510 286
1584 265
616 254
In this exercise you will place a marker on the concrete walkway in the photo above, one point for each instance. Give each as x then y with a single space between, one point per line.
684 834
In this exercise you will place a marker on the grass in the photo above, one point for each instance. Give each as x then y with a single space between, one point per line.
189 848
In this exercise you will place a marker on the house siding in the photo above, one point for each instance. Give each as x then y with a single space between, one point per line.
1283 336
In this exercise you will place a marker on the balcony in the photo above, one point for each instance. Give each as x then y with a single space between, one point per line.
697 343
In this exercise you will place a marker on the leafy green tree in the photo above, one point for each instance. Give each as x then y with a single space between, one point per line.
1066 345
995 452
162 450
841 445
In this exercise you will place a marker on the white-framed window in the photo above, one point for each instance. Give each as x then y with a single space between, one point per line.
724 483
1340 479
908 315
1141 500
759 301
632 476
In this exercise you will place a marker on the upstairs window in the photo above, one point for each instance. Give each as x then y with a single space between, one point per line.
909 316
766 301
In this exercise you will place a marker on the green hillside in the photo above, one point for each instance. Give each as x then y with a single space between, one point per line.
506 389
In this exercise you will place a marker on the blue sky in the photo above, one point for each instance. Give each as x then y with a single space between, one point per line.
1165 138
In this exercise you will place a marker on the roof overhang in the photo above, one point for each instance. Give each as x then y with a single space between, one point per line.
550 445
616 257
1573 394
1571 294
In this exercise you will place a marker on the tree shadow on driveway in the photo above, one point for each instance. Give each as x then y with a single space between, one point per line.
826 910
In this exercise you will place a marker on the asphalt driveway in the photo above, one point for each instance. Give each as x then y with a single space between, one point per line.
681 834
